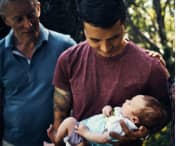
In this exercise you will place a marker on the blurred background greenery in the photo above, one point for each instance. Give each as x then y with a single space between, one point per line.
150 23
162 138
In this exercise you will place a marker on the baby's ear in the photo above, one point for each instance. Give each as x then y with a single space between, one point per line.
135 120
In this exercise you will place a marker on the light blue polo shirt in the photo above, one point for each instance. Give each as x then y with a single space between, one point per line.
27 87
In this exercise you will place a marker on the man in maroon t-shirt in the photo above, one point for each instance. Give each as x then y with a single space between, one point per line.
105 69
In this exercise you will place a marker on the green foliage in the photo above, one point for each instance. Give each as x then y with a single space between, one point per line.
151 24
162 138
61 16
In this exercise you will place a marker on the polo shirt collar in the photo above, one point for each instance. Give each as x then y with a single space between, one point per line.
9 40
43 37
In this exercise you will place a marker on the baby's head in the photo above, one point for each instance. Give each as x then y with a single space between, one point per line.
145 110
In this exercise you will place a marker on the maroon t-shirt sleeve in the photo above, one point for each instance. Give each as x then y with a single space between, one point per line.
158 84
61 73
158 81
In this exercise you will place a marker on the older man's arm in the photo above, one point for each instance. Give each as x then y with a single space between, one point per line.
1 117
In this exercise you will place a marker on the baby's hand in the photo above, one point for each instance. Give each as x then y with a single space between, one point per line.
51 133
107 110
81 129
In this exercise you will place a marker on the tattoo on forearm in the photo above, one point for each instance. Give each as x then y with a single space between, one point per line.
62 101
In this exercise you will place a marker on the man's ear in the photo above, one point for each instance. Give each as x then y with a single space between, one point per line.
84 32
38 8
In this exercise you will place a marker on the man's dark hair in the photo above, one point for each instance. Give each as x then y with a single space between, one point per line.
101 13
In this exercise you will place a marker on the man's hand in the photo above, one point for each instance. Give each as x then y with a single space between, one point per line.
51 133
159 57
156 55
129 135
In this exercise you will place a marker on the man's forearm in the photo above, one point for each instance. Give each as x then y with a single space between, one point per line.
58 118
62 106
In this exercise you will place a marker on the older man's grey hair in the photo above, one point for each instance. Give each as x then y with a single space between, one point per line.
4 3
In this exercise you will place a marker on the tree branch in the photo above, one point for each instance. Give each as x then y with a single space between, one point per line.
160 21
138 32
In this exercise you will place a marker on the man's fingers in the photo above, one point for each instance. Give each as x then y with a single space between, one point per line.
51 128
115 135
142 132
161 59
129 135
156 55
125 128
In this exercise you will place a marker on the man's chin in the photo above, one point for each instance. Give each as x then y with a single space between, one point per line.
28 34
106 55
